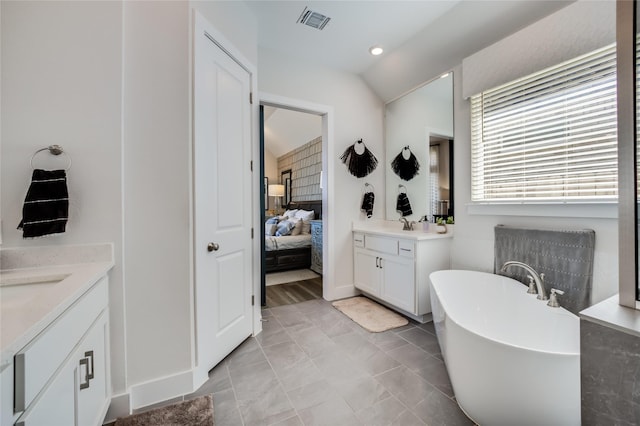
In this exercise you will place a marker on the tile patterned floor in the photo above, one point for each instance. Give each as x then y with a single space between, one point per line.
312 365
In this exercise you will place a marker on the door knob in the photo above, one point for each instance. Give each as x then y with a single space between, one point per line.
213 247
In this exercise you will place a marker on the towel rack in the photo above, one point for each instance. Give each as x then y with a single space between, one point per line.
54 150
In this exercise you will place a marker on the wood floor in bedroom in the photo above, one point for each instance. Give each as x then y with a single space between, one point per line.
294 292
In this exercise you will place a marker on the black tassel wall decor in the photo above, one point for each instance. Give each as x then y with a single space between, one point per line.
406 168
362 164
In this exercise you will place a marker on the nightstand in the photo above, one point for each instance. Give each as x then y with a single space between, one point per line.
316 246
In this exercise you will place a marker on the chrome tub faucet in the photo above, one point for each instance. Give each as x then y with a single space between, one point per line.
537 278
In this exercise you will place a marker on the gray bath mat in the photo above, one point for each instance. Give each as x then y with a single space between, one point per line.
194 412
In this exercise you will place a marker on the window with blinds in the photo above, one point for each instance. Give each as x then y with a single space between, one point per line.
548 137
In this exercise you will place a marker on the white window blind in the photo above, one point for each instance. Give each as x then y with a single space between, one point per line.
551 136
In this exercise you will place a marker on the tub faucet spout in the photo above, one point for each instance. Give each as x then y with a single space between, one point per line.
537 278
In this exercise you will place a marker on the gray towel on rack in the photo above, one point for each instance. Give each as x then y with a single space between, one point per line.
403 205
367 203
46 205
565 258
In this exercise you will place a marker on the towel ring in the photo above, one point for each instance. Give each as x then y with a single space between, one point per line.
368 184
54 150
401 187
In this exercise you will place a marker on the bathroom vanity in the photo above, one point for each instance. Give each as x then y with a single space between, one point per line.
392 266
54 335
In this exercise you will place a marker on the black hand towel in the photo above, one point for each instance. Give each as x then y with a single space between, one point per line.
367 203
46 206
403 205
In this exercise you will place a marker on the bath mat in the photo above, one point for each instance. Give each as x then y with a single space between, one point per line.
369 315
194 412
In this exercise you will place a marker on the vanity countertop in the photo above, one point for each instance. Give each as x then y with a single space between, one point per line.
394 229
31 297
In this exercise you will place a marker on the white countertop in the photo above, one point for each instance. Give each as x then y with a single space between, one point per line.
26 310
394 229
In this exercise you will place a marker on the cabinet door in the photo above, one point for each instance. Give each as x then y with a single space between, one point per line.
367 271
79 392
56 405
398 282
92 381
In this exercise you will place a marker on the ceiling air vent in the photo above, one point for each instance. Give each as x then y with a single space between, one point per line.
313 19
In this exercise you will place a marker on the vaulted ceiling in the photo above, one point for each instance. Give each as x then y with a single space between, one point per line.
434 35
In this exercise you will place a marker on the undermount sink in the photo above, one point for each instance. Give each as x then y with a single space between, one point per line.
19 289
21 280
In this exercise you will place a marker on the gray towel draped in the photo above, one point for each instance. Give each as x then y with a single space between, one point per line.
46 205
565 258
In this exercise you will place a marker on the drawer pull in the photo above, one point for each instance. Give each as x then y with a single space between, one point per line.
90 355
85 362
405 249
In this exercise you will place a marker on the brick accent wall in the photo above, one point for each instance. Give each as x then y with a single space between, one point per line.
305 163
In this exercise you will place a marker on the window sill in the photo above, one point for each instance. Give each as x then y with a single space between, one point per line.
609 313
582 210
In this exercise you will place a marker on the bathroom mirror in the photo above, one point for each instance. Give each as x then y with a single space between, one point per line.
419 136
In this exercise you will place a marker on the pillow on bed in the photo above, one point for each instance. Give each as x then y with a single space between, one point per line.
284 228
297 229
290 213
270 226
270 229
305 215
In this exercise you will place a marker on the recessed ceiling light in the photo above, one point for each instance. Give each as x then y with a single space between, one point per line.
376 50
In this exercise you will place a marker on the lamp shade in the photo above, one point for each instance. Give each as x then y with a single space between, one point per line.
276 190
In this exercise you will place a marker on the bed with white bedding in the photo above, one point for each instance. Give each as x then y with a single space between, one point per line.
272 243
292 251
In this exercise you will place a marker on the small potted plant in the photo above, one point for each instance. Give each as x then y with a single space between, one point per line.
441 226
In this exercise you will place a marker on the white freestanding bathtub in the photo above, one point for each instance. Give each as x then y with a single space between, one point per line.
512 359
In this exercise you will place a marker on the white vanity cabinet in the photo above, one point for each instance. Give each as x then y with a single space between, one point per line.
61 377
395 271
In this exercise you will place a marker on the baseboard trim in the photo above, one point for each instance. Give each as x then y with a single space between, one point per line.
337 293
165 388
120 406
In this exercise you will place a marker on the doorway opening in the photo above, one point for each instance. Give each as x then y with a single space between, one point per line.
293 158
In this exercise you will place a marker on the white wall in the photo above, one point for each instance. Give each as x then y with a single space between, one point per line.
156 189
286 130
358 114
473 238
61 84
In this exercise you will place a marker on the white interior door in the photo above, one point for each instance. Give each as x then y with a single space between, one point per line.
223 204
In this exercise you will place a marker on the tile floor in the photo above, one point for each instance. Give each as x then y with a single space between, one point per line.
312 365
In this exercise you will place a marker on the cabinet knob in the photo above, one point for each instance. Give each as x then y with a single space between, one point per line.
213 247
